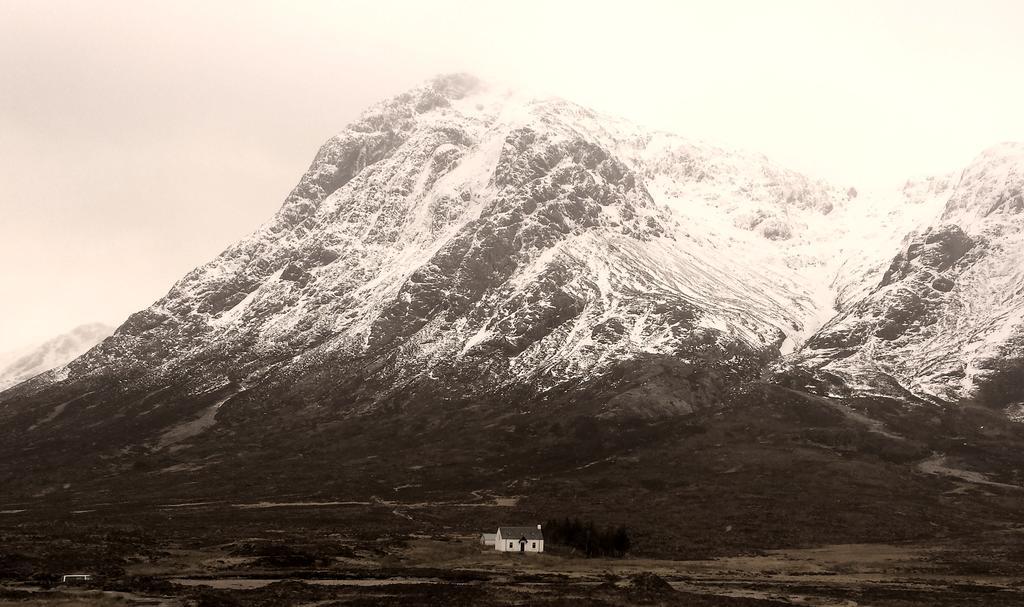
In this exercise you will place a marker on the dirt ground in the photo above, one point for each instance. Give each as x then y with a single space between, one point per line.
278 567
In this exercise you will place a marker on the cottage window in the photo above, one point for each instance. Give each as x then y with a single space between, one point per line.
533 545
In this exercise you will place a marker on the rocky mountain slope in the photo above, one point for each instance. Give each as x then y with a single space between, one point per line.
466 254
56 352
946 321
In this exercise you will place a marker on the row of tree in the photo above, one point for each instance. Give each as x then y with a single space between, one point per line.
587 537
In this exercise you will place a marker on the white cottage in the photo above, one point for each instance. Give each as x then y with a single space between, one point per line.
519 539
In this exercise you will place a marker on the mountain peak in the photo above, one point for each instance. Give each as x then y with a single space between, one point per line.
456 85
461 238
992 186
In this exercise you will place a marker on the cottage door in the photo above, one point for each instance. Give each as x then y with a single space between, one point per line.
522 544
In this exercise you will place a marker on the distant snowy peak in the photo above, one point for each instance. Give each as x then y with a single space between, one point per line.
991 189
54 353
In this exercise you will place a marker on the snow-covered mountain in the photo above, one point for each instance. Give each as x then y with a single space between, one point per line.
29 362
946 321
471 239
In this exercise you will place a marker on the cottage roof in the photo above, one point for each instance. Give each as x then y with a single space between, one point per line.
515 533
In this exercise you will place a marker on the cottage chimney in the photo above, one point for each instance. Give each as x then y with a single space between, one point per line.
538 526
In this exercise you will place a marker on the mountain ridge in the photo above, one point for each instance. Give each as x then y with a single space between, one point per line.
948 314
463 242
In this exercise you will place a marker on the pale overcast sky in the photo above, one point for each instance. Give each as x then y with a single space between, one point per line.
138 139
